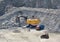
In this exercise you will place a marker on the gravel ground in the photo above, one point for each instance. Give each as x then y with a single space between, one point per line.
23 35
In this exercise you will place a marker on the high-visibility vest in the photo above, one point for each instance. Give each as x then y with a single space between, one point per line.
33 21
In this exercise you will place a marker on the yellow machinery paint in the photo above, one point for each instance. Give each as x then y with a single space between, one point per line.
33 21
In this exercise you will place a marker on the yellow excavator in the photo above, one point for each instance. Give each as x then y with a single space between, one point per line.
33 21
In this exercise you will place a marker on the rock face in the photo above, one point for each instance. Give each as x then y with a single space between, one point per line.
34 3
54 4
51 19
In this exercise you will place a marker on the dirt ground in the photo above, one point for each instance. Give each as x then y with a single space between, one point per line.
23 35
